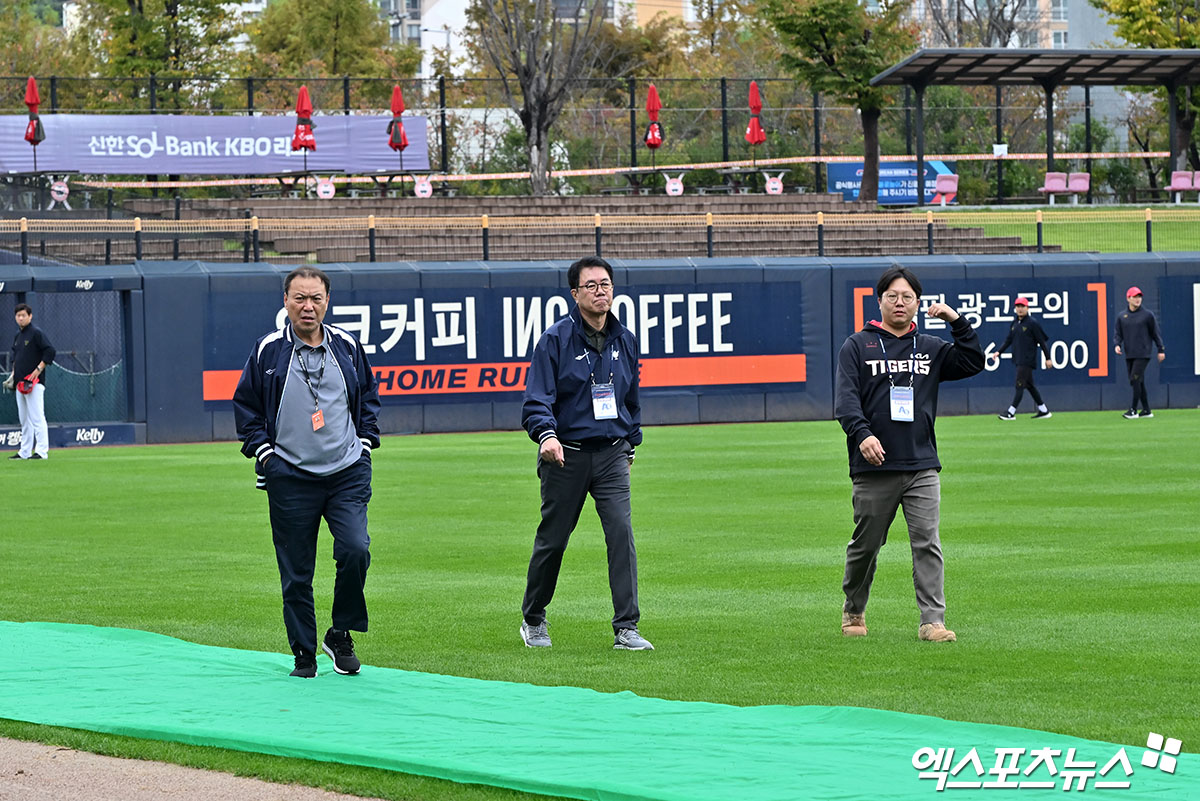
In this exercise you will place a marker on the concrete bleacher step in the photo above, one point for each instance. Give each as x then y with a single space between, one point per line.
565 230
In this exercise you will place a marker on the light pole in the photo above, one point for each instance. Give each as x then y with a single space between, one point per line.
446 30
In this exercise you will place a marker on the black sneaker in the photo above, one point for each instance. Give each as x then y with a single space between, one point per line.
16 456
1043 415
1130 415
1007 416
340 648
306 666
37 456
1145 414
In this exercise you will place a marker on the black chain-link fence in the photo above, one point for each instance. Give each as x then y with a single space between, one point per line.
472 128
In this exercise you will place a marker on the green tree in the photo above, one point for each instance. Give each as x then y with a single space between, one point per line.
836 47
538 56
31 43
318 38
1164 24
173 40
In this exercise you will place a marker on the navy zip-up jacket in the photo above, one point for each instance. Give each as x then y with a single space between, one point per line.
558 394
1025 336
260 390
1136 333
862 396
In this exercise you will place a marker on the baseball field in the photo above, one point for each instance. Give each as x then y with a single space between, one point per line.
1071 551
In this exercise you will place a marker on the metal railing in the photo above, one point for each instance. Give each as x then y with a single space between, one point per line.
499 238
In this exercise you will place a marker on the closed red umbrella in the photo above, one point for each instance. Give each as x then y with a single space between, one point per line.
397 138
303 138
653 104
654 133
755 99
34 132
755 134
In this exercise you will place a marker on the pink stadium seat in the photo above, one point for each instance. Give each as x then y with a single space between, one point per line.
945 188
1055 184
1181 181
1078 184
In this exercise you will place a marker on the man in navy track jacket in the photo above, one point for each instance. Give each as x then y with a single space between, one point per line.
306 409
581 406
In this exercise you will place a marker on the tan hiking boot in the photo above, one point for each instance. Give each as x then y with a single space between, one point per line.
854 625
935 632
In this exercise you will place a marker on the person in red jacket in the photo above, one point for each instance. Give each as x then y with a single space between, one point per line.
886 400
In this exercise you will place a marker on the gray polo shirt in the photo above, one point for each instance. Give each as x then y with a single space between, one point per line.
333 447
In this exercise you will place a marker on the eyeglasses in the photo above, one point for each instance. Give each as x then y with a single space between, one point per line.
593 287
908 297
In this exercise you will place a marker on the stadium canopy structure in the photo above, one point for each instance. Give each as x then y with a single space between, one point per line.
1050 69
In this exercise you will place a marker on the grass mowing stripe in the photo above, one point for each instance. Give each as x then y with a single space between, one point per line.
1071 573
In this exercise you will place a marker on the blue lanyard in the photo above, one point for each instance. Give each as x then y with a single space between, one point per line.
592 370
912 375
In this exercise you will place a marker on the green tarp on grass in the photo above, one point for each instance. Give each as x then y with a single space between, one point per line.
563 741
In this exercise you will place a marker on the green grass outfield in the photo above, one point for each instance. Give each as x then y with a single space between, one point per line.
1092 229
1071 562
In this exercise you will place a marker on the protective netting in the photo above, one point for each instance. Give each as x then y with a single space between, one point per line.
87 381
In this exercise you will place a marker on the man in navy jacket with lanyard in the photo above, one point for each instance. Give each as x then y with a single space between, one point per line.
886 400
581 407
306 409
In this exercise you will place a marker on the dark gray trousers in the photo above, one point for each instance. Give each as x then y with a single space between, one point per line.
605 475
877 496
298 501
1025 382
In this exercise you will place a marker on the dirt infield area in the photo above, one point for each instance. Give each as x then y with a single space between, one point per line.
37 772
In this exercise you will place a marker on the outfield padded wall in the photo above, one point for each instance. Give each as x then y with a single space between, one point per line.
770 355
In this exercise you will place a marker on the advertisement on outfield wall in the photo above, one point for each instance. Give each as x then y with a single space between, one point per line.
455 343
897 180
1074 313
166 144
1179 319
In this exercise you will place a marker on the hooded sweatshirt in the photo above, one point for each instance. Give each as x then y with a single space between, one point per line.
862 395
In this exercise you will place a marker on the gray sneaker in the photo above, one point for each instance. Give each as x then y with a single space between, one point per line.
630 640
535 636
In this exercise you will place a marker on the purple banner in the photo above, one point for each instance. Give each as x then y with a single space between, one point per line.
161 144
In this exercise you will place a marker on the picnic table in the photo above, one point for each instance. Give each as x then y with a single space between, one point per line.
382 179
744 180
642 180
289 179
15 178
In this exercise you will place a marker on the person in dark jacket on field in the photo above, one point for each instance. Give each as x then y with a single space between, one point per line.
1137 339
581 406
32 353
886 400
1026 337
306 409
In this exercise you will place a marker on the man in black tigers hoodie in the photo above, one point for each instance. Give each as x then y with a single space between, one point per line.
886 400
